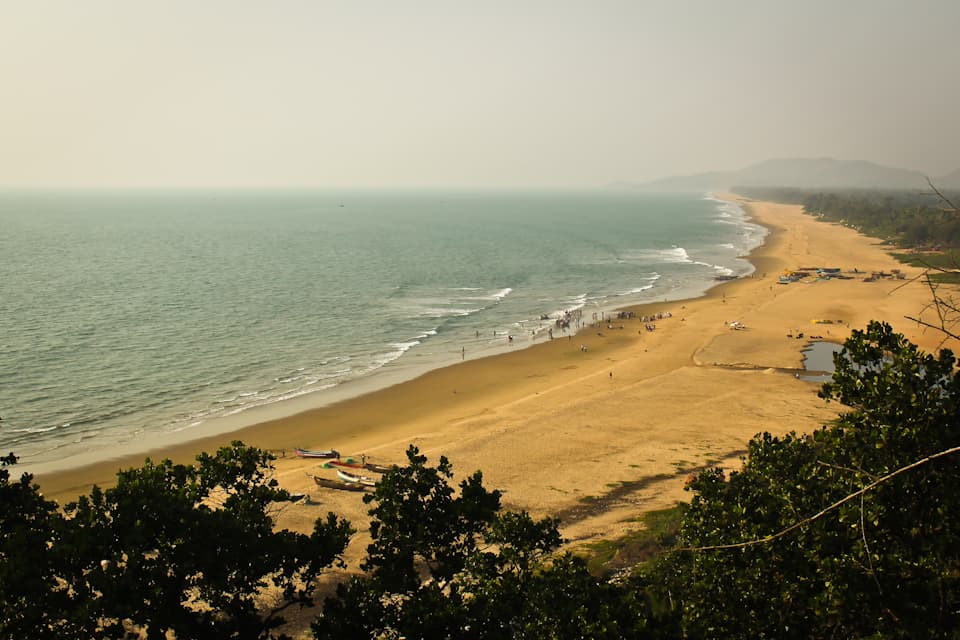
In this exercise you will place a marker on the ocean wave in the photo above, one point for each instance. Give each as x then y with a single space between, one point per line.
730 210
448 312
673 255
726 271
635 290
403 347
572 304
496 296
38 429
400 348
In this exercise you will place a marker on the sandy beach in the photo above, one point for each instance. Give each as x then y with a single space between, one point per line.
599 435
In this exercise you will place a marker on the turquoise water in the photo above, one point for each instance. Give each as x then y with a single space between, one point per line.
131 314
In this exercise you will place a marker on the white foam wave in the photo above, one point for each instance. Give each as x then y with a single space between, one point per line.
572 304
37 429
400 349
447 312
673 255
726 271
728 210
636 290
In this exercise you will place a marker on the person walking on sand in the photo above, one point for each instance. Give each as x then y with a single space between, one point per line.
463 353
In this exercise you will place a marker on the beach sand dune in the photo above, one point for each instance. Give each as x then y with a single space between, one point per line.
600 435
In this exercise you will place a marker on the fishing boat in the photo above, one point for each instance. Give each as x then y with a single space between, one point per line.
365 481
351 463
346 464
308 453
338 484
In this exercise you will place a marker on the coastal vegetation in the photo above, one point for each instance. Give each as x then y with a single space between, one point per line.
850 531
181 550
907 219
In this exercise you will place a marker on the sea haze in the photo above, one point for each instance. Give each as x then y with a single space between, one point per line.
131 315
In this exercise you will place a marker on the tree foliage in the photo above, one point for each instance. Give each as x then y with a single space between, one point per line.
906 218
32 594
182 549
886 565
446 564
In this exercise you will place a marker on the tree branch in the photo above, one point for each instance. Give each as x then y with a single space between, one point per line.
817 516
941 196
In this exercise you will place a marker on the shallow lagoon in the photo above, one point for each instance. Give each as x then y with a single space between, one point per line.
818 360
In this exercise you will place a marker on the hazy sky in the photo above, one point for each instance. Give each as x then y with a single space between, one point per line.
484 93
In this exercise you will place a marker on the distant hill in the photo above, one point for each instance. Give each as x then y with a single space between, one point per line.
801 173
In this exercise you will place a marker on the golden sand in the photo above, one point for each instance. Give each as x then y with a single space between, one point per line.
599 436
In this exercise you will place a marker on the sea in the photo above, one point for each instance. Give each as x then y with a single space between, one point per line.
129 319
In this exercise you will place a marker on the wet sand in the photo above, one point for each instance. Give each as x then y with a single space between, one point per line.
599 436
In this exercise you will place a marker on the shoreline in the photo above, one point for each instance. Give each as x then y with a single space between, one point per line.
559 429
150 441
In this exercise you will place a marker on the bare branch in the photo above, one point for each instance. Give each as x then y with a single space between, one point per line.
941 196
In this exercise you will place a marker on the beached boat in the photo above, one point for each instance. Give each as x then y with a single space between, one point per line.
307 453
346 476
379 468
346 464
338 484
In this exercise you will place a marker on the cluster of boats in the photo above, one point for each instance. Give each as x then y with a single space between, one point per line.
349 477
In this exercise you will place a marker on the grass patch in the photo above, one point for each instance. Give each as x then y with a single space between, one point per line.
637 549
948 260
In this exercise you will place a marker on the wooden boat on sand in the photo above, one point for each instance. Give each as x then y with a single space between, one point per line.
308 453
365 481
344 464
338 484
350 463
